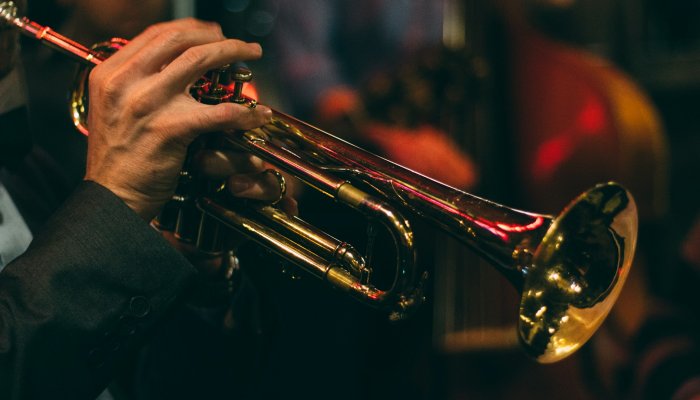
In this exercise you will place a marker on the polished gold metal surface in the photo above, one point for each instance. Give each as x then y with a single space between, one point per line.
569 269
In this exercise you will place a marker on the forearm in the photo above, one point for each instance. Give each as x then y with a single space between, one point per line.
89 287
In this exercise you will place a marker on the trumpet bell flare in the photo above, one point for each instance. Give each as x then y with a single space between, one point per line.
577 273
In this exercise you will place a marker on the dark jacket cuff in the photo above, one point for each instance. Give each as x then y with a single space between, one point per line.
89 287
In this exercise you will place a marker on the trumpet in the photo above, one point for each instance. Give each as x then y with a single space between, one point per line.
569 269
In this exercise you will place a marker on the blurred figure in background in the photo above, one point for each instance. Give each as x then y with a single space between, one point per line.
327 53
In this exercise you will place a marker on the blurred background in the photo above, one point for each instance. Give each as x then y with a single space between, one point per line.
526 102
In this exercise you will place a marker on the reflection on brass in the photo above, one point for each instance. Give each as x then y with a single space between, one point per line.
569 269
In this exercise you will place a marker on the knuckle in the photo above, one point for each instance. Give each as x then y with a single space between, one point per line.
176 25
189 22
156 29
248 119
178 37
96 76
215 29
201 24
172 38
194 56
139 104
106 85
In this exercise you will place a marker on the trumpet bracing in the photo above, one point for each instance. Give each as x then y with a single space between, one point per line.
569 269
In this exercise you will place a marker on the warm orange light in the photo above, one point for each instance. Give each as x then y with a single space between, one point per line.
249 90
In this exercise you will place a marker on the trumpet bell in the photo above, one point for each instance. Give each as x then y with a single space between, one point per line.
577 272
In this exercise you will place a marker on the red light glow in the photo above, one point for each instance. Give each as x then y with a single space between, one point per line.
551 154
522 228
249 90
591 119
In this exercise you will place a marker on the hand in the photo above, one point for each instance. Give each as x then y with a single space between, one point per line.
249 177
246 177
142 118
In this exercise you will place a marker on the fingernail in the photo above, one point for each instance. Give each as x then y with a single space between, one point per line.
239 184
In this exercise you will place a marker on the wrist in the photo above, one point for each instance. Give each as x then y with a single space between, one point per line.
140 207
143 208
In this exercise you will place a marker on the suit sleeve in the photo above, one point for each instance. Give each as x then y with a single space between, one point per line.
90 287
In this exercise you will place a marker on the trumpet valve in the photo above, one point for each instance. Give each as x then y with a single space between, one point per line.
240 76
213 88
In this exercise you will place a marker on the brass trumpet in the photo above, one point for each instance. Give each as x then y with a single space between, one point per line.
569 269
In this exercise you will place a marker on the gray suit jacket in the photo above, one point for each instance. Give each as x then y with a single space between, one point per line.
88 289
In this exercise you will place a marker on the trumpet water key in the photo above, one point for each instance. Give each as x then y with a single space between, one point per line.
569 269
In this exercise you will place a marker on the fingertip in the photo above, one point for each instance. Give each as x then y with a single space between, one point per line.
256 47
289 205
266 113
251 118
246 50
262 186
